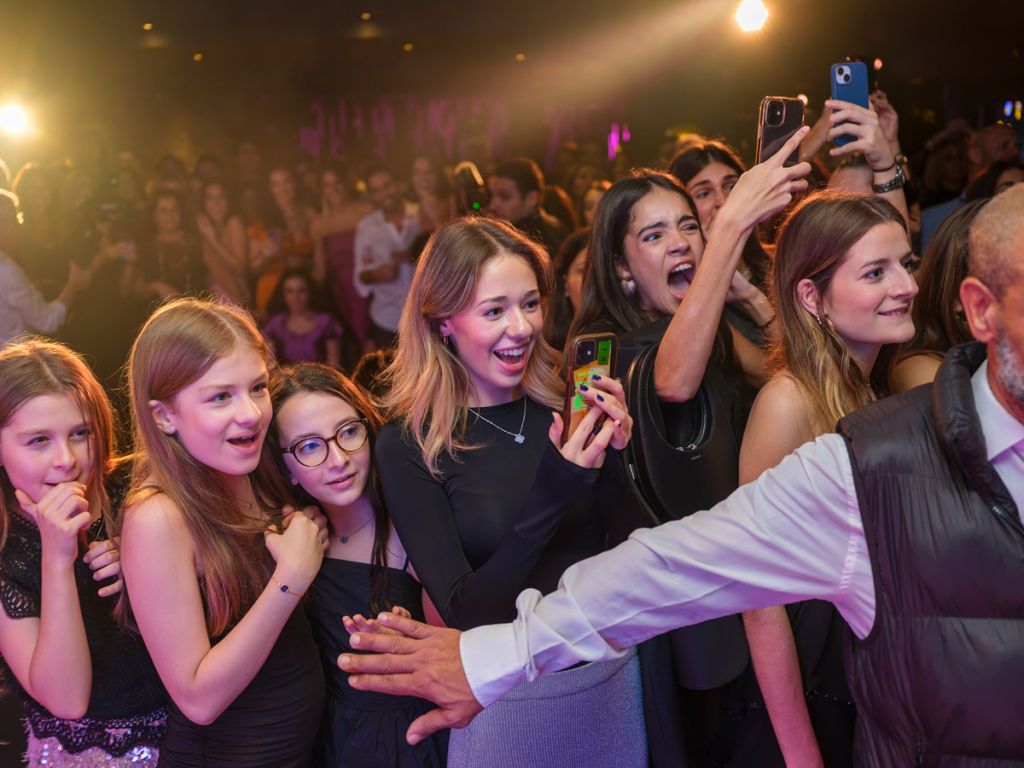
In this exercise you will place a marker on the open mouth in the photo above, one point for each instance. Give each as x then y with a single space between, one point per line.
681 276
513 358
245 442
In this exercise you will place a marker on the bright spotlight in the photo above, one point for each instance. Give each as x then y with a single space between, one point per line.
13 119
751 15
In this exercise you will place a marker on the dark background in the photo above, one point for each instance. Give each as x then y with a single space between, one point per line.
313 77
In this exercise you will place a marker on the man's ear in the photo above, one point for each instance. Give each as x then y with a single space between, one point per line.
532 200
981 309
163 416
809 297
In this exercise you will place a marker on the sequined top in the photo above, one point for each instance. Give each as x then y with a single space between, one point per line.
126 704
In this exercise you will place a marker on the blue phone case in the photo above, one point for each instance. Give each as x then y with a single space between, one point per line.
849 81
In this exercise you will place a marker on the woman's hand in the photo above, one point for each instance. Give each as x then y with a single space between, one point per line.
298 552
888 119
206 228
767 188
314 514
360 623
853 120
104 559
60 515
584 447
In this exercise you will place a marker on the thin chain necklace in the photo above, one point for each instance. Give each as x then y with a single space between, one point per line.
344 539
519 437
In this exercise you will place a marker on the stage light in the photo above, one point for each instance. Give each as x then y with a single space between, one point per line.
520 57
14 120
407 47
751 15
803 98
1018 110
197 57
878 65
365 16
147 27
1008 108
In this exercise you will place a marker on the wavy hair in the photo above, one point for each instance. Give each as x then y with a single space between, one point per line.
429 387
176 346
813 241
32 367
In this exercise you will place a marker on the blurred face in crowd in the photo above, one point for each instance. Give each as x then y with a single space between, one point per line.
872 291
585 175
332 189
384 191
661 250
215 202
167 215
35 194
282 187
1008 178
296 295
709 190
590 200
495 334
996 143
574 279
423 178
128 188
506 201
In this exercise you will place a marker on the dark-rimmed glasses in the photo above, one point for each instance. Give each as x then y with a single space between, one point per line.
313 451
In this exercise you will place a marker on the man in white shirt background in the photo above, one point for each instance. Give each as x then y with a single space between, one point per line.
383 270
908 521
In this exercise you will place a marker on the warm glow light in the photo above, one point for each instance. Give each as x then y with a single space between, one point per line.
366 16
407 47
197 57
147 26
878 65
751 15
520 57
13 120
803 98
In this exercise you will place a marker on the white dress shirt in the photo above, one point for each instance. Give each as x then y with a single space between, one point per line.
793 534
22 307
376 240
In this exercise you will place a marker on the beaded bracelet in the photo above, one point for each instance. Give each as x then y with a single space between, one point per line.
284 588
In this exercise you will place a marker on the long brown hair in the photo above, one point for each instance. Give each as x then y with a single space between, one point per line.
813 241
175 347
429 385
294 380
34 367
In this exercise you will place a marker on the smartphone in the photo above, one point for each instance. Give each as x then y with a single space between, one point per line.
850 83
778 119
590 353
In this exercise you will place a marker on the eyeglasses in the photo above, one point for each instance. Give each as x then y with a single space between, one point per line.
313 451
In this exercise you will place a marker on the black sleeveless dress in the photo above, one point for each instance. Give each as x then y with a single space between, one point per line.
363 729
272 724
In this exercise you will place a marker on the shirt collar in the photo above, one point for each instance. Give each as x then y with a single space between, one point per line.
1002 431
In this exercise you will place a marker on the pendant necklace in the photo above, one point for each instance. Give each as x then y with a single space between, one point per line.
519 437
344 539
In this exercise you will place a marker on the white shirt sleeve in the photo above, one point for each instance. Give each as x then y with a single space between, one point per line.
24 301
793 534
366 253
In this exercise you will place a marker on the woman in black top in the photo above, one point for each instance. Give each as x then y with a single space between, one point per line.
91 694
483 497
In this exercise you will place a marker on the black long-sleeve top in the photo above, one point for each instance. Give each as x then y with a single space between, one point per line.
501 518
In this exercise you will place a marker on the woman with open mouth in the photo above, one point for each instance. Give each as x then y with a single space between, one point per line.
484 496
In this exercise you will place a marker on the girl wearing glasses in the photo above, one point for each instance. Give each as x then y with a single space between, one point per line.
325 427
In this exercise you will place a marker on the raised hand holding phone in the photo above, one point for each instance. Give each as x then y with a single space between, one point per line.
848 82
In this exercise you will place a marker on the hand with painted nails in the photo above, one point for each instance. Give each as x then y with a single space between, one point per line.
104 560
417 660
586 446
61 514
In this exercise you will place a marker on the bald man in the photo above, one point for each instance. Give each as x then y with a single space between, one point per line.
908 519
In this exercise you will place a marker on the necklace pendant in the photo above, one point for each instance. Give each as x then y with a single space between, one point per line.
343 539
520 439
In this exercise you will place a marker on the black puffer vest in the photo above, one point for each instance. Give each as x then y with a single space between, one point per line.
939 681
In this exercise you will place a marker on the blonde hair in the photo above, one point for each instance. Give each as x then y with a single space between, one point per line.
813 241
33 367
175 347
429 387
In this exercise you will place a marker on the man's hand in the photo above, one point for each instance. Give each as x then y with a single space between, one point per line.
420 661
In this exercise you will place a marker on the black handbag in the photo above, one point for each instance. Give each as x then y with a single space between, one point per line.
683 457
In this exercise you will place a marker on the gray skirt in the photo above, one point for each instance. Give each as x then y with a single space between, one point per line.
591 716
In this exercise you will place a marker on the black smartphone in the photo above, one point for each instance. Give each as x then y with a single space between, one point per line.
590 353
778 119
849 82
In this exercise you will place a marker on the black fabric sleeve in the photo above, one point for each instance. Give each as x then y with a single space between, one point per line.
425 522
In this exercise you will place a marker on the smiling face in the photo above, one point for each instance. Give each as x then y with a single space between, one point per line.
662 248
710 188
871 293
507 202
282 187
46 441
423 178
495 334
221 418
341 480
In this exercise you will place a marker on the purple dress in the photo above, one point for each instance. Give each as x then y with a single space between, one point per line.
308 347
354 310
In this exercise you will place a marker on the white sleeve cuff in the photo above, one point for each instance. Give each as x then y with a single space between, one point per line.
490 661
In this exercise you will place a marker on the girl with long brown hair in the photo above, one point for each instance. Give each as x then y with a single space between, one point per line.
214 567
843 293
91 695
484 496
